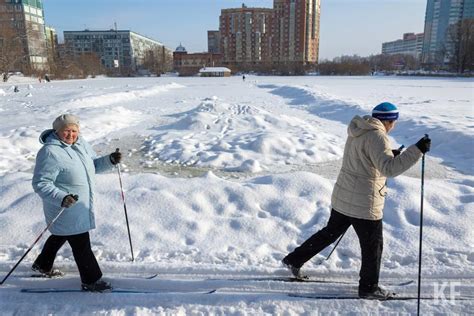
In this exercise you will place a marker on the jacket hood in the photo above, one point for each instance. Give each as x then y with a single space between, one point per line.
361 125
50 137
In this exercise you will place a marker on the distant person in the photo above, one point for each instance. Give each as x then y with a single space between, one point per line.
46 77
243 78
66 166
5 77
15 89
359 195
40 79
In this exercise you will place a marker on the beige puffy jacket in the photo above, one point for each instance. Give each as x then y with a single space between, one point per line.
368 161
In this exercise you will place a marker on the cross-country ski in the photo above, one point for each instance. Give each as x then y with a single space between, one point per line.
112 291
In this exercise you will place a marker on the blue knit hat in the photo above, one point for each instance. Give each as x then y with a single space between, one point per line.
385 111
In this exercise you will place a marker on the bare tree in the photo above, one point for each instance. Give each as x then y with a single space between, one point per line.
90 64
466 46
158 61
12 51
460 38
345 65
67 65
152 62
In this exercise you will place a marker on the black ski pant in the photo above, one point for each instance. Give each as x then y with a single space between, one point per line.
370 239
87 265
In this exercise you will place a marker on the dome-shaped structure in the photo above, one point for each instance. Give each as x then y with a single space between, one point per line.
180 49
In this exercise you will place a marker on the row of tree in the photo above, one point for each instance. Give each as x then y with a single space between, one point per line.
344 65
64 64
461 61
356 65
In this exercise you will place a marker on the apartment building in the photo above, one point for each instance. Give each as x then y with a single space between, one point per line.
442 21
213 41
24 19
288 33
123 50
296 31
51 42
245 34
410 44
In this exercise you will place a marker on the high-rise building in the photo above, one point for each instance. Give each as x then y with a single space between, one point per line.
288 33
25 19
246 34
468 11
442 28
296 30
411 44
213 41
120 49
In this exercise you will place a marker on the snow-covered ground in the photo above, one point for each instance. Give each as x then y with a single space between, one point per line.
224 177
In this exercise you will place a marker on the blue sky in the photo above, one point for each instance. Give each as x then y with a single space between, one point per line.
347 26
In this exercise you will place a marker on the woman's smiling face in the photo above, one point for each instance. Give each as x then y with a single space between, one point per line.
69 133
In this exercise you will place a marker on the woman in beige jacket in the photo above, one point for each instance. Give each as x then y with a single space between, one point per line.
359 194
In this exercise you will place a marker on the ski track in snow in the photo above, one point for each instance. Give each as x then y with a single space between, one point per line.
227 178
178 293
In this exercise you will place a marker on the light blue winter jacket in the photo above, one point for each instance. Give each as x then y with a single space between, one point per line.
63 169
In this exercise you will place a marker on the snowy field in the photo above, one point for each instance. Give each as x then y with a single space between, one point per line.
223 178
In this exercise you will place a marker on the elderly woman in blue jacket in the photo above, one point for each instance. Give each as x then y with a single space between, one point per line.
65 167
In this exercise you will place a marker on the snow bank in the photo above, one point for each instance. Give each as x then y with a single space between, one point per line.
238 137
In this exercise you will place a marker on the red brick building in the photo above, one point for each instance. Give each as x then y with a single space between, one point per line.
296 31
246 35
190 64
287 34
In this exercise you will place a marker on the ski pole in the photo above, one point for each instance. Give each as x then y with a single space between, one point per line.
337 243
75 197
125 208
421 229
335 246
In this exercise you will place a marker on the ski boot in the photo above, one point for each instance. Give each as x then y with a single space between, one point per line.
53 273
98 286
377 294
295 271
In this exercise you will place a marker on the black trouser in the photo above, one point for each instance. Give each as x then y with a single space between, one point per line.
89 269
370 239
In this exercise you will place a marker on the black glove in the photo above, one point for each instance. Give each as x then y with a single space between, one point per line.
69 200
424 144
115 157
396 152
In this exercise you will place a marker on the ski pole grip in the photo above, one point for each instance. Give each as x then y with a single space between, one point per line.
117 150
75 197
401 148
